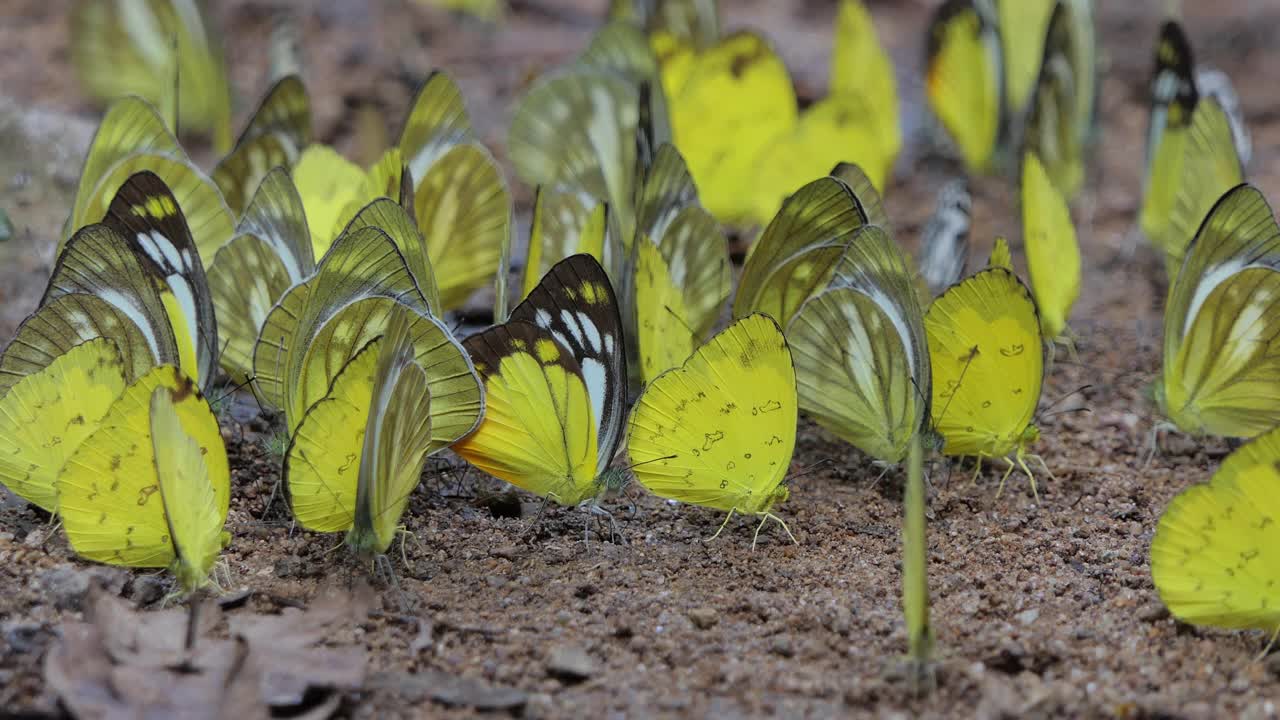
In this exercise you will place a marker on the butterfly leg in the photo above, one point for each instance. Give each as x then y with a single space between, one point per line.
1022 463
765 517
977 469
726 522
1006 475
598 512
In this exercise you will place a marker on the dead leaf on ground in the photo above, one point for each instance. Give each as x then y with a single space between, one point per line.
121 663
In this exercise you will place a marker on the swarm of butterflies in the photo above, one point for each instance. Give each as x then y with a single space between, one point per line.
324 287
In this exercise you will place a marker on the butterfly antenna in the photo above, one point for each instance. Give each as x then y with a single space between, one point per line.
968 361
646 462
231 392
808 469
697 338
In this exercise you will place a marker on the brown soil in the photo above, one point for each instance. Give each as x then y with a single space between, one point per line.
1041 608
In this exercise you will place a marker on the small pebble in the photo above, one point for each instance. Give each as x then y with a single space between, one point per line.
703 617
570 662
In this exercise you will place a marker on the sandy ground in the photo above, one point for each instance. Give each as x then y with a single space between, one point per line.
1041 608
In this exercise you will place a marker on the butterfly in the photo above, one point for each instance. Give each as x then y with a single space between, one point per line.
861 361
695 22
459 199
131 139
987 356
796 254
46 415
719 430
1210 167
359 451
135 278
315 329
1053 256
270 253
1062 115
1222 323
1175 99
166 51
276 134
151 486
964 80
1212 557
555 383
944 242
1023 25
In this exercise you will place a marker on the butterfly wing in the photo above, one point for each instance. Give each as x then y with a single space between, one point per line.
396 222
987 359
1222 323
464 212
1053 256
1210 167
148 216
437 122
576 304
1212 557
278 131
396 441
187 488
538 431
964 80
563 224
797 252
46 415
944 244
246 280
108 492
861 68
1173 99
327 183
864 190
719 430
696 255
735 101
664 331
61 324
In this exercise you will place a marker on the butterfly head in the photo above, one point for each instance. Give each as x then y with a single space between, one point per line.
612 480
1030 435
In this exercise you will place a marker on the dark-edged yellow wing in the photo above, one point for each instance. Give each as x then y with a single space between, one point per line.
436 123
538 431
1173 99
1210 167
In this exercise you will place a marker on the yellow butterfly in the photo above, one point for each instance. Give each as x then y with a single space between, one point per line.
320 324
719 430
1173 100
359 451
796 254
564 223
1213 554
134 278
987 357
275 136
1023 25
459 200
1053 256
665 335
132 138
555 383
46 415
270 253
1061 117
1210 167
1222 323
963 80
150 487
166 51
861 359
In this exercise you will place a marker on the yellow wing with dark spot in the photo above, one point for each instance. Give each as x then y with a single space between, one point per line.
719 430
